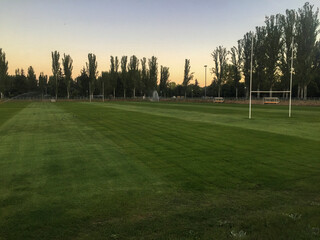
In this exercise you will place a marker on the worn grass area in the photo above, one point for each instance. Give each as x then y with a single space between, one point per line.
158 171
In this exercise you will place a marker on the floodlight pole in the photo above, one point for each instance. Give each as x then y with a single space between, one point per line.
250 78
205 81
291 72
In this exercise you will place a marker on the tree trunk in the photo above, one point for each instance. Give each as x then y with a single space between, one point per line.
134 92
68 92
305 92
259 90
236 93
114 93
270 94
124 93
103 92
56 88
90 92
185 94
219 90
301 92
298 94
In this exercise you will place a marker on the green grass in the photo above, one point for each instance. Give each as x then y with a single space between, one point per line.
128 170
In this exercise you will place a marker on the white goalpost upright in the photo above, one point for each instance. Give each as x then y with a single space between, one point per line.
250 89
290 98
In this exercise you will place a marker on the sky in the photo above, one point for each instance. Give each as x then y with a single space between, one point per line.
171 30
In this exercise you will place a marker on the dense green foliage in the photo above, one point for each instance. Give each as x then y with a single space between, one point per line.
273 52
92 71
56 70
67 71
3 73
164 81
220 63
125 170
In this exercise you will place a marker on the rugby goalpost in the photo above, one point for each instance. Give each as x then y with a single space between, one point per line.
290 91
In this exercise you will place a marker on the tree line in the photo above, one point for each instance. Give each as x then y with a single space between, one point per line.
272 44
127 77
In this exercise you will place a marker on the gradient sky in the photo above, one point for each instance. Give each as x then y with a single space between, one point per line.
172 30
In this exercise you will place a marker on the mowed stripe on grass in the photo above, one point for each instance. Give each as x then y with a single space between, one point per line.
304 124
97 171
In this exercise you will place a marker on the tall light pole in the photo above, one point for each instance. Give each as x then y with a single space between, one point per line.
205 81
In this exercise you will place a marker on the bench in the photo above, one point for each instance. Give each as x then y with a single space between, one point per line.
218 100
271 100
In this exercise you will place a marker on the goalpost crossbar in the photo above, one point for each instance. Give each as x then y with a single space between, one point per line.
270 91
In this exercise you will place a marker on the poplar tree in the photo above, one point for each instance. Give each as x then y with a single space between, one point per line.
3 72
67 68
307 30
114 66
133 72
236 59
164 80
124 74
273 45
144 76
56 69
259 59
219 56
288 23
92 66
187 77
43 80
247 43
153 74
31 79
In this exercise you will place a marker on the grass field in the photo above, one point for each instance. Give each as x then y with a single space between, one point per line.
128 170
